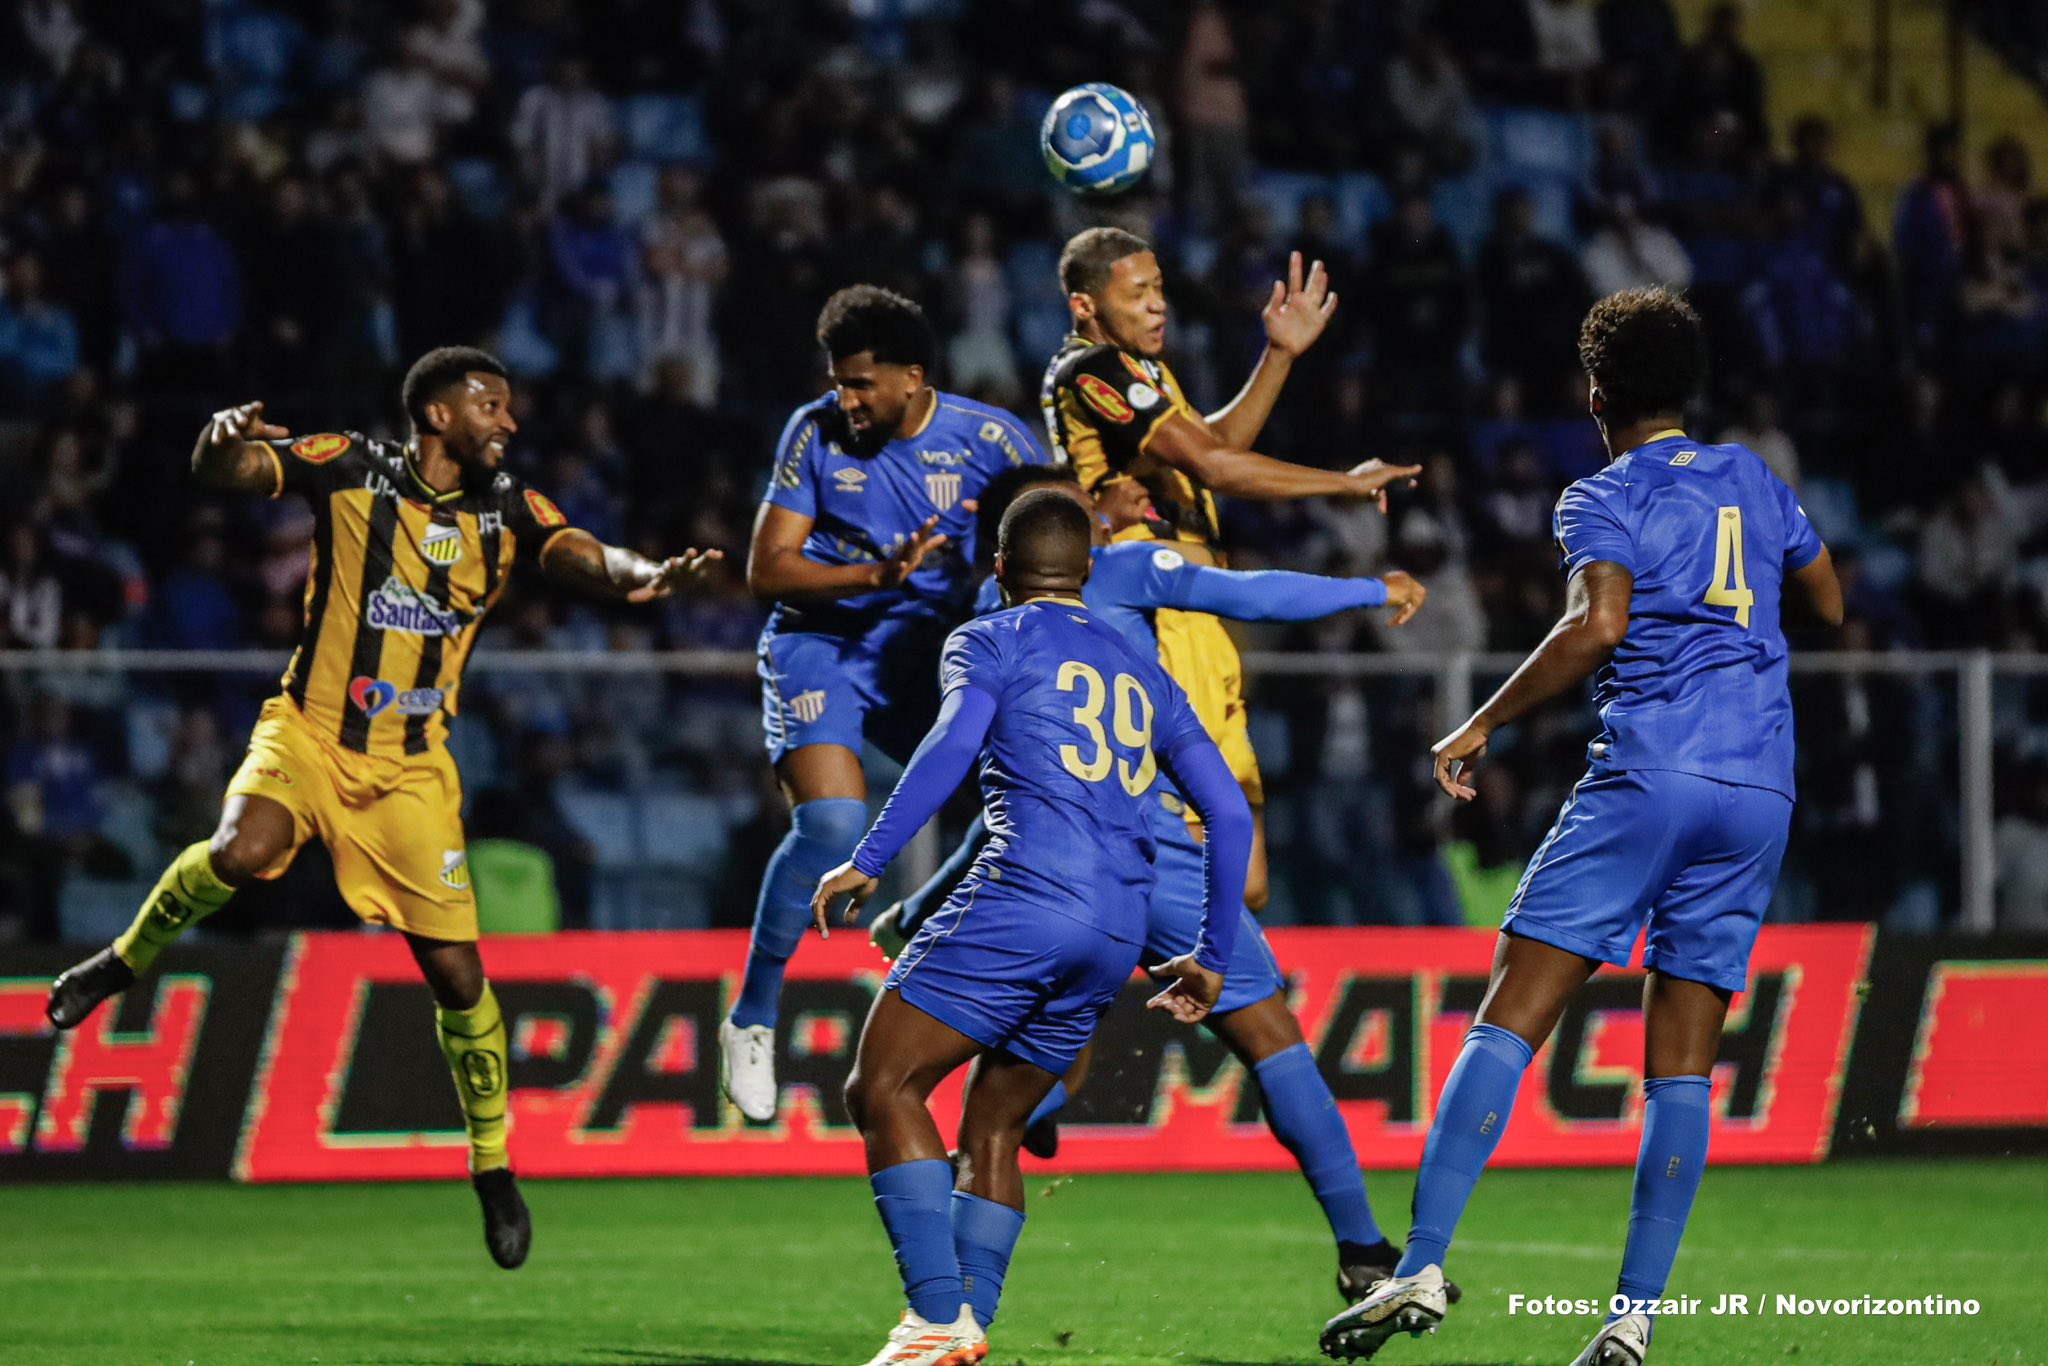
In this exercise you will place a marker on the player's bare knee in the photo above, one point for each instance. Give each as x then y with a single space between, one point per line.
454 971
243 847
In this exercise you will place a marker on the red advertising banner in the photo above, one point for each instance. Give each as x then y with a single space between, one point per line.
614 1067
1965 1070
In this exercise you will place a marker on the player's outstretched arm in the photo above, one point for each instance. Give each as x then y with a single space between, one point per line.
1823 591
610 571
1294 317
778 570
1595 620
1198 452
934 773
1195 980
229 453
1280 595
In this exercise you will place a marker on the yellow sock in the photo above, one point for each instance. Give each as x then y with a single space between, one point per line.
187 892
474 1042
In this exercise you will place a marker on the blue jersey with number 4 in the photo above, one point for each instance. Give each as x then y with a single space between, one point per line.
864 506
1081 720
1699 682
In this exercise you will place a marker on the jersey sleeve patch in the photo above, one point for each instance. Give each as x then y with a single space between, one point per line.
318 450
545 513
1167 560
1104 399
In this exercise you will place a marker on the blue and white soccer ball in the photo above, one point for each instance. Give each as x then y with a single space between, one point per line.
1097 140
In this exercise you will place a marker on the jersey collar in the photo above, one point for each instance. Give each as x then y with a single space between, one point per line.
426 492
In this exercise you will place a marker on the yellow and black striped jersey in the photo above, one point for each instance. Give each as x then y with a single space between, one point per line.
401 578
1101 405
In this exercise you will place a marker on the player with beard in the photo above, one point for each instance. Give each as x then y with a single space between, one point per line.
864 543
412 545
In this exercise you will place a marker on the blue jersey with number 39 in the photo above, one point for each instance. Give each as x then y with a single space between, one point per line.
1699 682
1081 724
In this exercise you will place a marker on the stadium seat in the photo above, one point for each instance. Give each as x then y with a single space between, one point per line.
94 910
682 830
515 888
478 182
1538 141
606 820
1464 206
1361 203
664 127
633 186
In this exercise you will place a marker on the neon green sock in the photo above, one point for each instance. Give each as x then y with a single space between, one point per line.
474 1043
187 893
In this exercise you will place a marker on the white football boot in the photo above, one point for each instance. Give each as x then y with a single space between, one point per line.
1399 1304
919 1342
1624 1342
746 1068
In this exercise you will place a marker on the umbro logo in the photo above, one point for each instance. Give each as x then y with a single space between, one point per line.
1684 458
850 480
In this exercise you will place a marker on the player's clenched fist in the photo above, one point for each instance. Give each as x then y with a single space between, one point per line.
243 423
847 881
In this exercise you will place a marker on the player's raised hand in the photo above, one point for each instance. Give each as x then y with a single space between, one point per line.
1299 309
908 556
1457 752
1405 595
670 573
242 423
1192 990
847 881
1371 479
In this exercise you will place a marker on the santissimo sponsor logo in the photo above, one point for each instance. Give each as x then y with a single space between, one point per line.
400 607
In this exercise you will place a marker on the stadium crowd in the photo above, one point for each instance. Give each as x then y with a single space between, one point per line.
640 204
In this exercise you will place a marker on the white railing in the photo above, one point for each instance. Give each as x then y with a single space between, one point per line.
1974 674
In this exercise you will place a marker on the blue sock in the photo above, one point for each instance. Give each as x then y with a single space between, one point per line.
984 1236
1676 1118
822 835
1471 1115
1054 1102
1303 1115
915 1202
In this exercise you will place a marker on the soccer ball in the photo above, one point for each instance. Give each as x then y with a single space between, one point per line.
1097 140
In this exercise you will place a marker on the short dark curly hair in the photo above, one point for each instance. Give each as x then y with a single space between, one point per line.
1092 253
1646 350
433 374
879 321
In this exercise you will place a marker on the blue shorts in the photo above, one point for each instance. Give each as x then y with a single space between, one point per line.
1696 858
1014 977
819 689
1173 922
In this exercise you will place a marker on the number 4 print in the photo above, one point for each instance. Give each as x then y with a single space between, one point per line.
1730 587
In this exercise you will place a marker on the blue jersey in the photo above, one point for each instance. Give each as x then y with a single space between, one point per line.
864 507
1699 683
1069 762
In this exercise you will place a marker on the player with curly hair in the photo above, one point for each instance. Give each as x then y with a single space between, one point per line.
1677 554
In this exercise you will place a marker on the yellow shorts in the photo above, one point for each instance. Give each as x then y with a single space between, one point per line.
392 826
1200 656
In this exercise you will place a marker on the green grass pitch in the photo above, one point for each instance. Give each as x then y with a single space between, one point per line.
1113 1271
